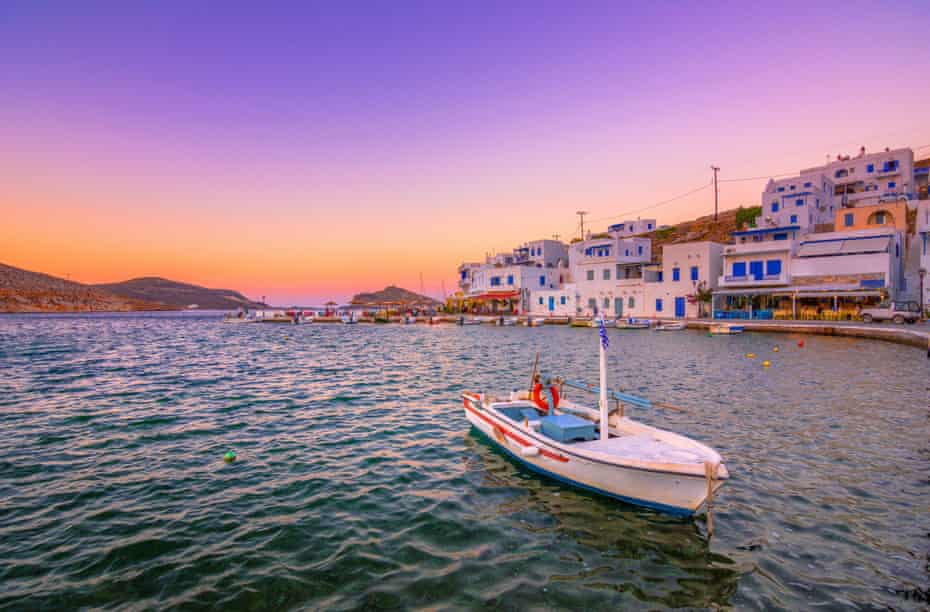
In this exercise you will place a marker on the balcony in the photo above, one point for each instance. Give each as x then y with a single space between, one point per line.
767 246
764 280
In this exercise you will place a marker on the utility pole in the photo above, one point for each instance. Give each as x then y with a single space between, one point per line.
556 236
716 169
582 213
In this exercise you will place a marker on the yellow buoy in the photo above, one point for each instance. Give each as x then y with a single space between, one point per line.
766 363
751 355
775 349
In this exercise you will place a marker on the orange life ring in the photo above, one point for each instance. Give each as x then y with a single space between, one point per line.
543 404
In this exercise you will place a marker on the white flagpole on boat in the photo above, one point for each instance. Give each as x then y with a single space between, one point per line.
603 355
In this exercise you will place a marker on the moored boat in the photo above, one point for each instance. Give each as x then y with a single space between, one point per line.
534 322
600 450
631 323
505 321
670 326
472 321
581 322
723 329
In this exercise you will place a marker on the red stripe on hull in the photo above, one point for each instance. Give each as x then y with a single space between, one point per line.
517 438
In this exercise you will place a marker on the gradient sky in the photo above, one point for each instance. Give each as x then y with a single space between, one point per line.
309 150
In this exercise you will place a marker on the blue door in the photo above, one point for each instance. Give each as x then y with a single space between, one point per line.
755 270
679 308
551 303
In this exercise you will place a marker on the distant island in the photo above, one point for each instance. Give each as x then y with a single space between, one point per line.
394 295
27 291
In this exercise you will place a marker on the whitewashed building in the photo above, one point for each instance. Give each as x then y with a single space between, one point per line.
562 302
607 271
632 228
801 203
868 176
672 288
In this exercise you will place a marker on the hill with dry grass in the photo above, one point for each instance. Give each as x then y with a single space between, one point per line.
703 228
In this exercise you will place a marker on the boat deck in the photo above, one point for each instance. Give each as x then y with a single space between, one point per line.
642 447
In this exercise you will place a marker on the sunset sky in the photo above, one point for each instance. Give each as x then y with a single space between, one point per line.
310 150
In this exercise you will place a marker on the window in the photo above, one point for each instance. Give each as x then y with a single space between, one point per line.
660 276
799 202
592 304
870 168
897 250
510 279
773 267
606 273
891 184
542 280
794 219
781 189
848 219
879 218
739 269
606 304
792 188
840 173
807 185
562 300
639 250
540 301
676 274
649 226
495 281
774 207
658 304
694 273
627 252
630 303
783 236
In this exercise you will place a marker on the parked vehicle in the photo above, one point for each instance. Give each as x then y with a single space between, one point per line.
898 312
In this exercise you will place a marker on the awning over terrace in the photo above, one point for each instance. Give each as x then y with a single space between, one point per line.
844 246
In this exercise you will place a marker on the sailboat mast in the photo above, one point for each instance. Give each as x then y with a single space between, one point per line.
603 399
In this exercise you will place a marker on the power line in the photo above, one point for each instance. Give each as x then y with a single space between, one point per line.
656 205
758 178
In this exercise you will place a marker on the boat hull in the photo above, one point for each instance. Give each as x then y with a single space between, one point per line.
671 493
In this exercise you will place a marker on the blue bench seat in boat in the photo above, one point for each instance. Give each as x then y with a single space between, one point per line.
567 428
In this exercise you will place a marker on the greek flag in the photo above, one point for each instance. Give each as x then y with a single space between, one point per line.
603 331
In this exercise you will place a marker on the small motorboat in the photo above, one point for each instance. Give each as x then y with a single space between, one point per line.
505 321
349 319
279 317
472 321
631 323
723 329
534 322
435 320
670 326
598 449
581 323
240 317
408 319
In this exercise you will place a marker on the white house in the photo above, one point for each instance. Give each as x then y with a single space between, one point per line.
866 177
632 228
801 202
548 253
561 302
686 268
607 272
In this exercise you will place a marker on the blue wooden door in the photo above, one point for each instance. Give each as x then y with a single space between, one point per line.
679 307
755 270
551 303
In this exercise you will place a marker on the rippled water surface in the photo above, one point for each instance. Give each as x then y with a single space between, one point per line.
359 484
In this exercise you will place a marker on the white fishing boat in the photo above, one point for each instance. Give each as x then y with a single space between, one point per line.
468 321
239 318
534 322
631 323
349 318
670 326
598 449
723 329
408 319
435 320
505 321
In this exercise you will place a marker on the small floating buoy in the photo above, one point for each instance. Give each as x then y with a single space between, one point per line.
766 363
229 457
801 343
751 355
775 350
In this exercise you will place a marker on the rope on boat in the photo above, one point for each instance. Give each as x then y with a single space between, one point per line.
710 474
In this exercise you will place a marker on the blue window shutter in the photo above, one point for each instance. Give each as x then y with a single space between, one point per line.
562 300
739 268
773 267
510 279
676 274
794 219
660 276
658 304
542 280
694 273
627 252
774 206
848 219
870 168
639 249
540 301
891 184
799 202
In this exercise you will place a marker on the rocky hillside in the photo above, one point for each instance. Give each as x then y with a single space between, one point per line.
703 228
25 291
178 295
393 294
